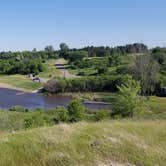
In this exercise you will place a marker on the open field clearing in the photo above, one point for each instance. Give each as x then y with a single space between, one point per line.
19 82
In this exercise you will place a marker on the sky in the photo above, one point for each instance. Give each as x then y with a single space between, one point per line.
28 24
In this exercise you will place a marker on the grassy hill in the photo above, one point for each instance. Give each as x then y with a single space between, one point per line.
118 143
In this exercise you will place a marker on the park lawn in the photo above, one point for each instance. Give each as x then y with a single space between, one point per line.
20 82
50 70
124 142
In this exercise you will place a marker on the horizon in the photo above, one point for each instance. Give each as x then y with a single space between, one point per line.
28 25
58 48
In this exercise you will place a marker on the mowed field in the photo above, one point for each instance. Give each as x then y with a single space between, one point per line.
19 82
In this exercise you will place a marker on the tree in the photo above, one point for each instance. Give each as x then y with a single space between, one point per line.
114 60
77 56
76 111
102 69
49 48
34 50
146 70
127 102
64 47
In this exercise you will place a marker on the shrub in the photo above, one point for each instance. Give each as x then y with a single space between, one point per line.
102 69
76 111
18 109
125 69
35 119
86 84
61 115
102 114
127 102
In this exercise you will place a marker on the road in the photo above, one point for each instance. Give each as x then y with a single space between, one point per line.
60 65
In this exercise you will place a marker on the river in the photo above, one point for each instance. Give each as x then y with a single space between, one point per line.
10 98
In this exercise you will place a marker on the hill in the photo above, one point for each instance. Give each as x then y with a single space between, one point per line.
116 143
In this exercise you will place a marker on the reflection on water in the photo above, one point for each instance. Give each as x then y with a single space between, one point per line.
10 98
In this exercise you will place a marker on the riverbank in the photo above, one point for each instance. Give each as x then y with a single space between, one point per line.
7 86
19 82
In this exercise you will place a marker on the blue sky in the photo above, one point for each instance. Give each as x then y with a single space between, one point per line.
28 24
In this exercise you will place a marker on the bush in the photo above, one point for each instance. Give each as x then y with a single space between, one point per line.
125 69
102 114
76 111
127 102
86 84
61 115
102 69
35 119
18 109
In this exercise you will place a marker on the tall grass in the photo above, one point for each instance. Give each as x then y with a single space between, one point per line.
85 144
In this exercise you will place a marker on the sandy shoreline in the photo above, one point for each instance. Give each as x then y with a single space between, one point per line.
7 86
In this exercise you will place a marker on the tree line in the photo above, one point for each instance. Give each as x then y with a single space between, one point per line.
86 84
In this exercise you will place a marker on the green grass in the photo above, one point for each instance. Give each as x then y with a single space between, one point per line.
128 59
86 144
11 121
156 107
87 71
50 70
19 81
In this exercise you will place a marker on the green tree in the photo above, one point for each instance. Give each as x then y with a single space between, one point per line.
76 56
76 111
128 102
49 48
102 69
64 47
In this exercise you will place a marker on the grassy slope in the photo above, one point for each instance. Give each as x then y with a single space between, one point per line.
126 60
140 143
23 83
157 107
19 81
50 69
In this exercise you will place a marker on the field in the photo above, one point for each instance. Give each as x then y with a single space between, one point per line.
120 143
18 82
125 60
21 82
157 107
33 139
50 70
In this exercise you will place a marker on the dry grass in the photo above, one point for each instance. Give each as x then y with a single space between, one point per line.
116 143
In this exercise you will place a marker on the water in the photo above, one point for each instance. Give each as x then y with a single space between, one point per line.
10 98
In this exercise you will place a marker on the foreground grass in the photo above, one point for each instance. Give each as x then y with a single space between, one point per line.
19 81
85 144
